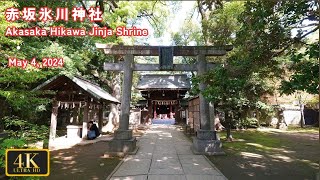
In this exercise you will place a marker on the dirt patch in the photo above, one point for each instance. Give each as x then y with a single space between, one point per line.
270 155
82 162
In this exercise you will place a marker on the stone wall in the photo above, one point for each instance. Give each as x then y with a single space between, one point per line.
292 116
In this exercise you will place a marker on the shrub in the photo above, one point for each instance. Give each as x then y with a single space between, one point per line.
247 122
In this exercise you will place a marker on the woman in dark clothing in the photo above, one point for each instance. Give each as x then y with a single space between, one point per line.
93 131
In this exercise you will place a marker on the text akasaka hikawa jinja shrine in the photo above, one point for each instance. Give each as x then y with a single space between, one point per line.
62 31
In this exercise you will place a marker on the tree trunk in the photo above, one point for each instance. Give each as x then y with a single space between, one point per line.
113 118
228 122
204 19
258 116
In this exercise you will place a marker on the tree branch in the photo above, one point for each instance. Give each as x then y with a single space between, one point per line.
113 5
151 17
308 25
102 9
294 40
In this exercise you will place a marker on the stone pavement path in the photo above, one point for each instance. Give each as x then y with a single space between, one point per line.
164 154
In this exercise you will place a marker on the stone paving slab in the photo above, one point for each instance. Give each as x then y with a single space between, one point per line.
166 177
139 177
132 167
164 154
167 166
183 150
142 155
205 177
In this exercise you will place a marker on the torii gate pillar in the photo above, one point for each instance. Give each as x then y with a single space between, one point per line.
123 141
206 141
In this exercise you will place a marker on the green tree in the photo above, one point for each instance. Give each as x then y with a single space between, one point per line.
263 36
304 69
80 55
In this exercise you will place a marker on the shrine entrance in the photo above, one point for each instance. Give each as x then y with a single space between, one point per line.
123 141
163 93
164 114
164 111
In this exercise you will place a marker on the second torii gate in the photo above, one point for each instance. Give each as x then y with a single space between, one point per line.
123 141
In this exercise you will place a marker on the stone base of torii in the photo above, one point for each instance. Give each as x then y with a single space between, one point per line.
206 141
123 143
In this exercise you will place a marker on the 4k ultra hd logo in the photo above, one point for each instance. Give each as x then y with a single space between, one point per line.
27 162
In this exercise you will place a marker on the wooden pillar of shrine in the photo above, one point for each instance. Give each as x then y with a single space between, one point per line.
149 110
85 120
154 110
100 116
74 117
53 122
171 116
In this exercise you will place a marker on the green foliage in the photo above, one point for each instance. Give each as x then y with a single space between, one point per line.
21 134
10 143
247 122
79 53
267 31
261 32
305 71
22 129
188 34
222 23
27 105
265 112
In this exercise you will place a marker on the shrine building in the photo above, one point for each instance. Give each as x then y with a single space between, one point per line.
163 94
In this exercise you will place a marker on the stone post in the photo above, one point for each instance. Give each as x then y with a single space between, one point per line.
212 116
123 141
126 92
204 106
205 142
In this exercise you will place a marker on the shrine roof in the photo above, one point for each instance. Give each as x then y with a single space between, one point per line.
56 82
164 81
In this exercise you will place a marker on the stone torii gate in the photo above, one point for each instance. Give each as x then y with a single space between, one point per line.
123 141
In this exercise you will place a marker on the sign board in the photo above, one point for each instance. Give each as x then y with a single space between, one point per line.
166 58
